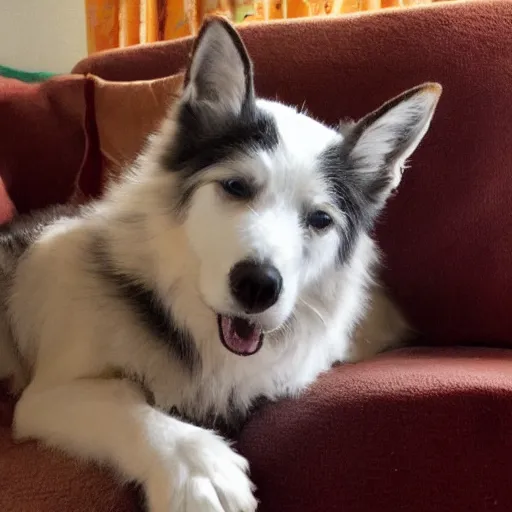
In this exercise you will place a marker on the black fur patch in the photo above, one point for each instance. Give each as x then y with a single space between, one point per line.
196 146
356 195
148 307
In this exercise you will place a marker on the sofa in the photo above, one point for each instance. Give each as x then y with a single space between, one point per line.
420 429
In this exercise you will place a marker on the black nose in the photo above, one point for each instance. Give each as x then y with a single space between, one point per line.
256 286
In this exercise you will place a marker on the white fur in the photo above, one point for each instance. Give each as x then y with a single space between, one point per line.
85 354
380 138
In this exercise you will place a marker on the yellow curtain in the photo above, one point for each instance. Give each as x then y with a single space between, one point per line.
119 23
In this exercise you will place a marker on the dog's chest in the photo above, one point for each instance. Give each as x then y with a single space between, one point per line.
224 396
218 402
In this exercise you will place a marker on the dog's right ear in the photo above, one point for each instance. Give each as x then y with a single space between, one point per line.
219 80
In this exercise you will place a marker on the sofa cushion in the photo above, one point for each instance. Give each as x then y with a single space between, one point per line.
447 234
414 430
42 143
38 479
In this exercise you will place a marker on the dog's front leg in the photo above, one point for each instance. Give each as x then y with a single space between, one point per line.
182 467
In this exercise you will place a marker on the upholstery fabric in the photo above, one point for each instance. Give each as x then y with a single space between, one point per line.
43 142
414 430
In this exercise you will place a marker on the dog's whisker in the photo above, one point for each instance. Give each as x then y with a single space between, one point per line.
253 210
317 313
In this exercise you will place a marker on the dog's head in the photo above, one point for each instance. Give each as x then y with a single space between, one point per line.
271 199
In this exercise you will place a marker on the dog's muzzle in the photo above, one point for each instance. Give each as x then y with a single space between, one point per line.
255 287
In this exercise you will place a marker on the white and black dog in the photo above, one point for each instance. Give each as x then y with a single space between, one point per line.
242 230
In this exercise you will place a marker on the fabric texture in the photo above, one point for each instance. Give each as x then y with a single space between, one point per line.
414 430
125 113
43 142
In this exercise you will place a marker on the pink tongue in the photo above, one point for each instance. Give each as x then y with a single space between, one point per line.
240 336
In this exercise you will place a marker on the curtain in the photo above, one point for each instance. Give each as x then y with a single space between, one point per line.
119 23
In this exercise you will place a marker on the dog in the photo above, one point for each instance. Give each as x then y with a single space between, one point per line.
233 262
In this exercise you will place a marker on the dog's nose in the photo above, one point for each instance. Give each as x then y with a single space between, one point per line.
256 286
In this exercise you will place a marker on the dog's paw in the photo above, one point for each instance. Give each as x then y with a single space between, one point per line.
203 475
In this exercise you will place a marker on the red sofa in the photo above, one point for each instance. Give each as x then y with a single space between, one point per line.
421 429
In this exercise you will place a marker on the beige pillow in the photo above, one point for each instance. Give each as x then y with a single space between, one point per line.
126 113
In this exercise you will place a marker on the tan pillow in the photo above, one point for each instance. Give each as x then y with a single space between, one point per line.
126 113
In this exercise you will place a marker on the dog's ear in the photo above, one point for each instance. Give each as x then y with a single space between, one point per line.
219 80
381 142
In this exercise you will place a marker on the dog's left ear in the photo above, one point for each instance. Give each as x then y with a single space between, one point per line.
219 80
381 142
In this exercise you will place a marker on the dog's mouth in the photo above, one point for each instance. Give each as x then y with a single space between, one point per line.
239 335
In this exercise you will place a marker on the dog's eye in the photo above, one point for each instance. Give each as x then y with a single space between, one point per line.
319 220
237 188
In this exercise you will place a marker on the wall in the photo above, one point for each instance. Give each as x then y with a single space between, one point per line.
42 35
